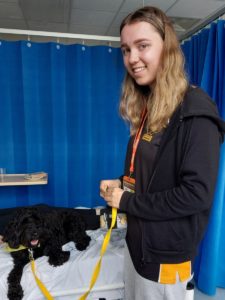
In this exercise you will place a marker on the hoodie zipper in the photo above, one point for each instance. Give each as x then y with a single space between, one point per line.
143 261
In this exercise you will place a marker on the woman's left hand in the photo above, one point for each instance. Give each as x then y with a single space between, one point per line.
113 196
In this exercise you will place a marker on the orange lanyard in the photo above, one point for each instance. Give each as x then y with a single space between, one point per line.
137 139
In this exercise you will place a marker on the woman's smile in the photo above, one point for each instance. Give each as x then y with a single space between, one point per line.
138 70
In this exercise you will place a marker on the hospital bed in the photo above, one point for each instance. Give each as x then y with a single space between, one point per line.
72 279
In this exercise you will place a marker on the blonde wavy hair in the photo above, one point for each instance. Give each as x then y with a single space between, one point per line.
170 85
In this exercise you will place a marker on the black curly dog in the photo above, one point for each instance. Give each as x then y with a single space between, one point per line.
45 232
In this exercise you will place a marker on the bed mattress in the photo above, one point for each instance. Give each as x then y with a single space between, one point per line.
72 279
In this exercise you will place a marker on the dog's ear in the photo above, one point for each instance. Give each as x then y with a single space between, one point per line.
12 231
11 235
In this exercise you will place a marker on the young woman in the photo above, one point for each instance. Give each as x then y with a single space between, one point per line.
171 162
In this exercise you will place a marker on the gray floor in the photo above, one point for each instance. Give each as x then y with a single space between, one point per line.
220 295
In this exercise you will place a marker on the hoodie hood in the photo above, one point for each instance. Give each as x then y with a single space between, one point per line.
198 103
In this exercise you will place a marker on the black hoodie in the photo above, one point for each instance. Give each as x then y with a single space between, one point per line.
173 212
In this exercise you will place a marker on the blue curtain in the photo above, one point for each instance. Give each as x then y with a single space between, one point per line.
59 114
205 62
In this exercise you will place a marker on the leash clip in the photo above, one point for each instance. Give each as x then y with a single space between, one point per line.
31 254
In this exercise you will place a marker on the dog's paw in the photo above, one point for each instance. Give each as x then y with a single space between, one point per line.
59 258
82 244
15 293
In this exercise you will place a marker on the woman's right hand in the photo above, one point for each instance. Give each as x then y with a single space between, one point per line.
105 184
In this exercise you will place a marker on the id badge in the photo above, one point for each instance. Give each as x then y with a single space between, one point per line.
128 184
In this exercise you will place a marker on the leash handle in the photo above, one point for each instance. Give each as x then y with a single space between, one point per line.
102 252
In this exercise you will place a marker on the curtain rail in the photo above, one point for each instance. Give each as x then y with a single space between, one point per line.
203 23
59 35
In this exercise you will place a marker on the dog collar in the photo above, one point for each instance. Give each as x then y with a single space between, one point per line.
21 247
9 249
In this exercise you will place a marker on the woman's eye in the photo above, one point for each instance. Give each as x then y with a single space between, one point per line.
143 46
125 51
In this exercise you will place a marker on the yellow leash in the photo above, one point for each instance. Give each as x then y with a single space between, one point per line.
96 269
103 249
38 281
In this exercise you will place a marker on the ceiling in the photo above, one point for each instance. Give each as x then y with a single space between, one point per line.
95 17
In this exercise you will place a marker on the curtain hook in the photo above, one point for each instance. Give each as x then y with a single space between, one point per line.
57 43
28 41
83 47
110 45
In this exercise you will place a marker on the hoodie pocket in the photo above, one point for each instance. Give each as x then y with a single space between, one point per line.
176 235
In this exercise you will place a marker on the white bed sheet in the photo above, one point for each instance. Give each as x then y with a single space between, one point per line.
72 279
